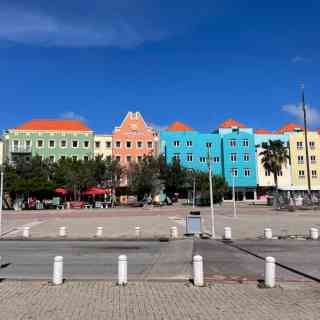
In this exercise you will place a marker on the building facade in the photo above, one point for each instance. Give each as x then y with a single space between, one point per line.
50 139
103 146
191 148
134 139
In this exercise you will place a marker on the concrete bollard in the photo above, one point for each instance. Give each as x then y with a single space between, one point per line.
173 232
314 233
122 270
99 232
62 231
270 272
57 277
138 232
198 271
227 233
268 233
26 232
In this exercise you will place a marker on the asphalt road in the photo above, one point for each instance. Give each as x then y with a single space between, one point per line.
150 260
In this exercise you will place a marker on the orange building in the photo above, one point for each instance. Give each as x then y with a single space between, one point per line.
134 139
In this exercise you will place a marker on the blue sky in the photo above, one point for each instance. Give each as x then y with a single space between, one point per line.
199 62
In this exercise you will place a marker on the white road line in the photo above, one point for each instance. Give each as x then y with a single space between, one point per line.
15 230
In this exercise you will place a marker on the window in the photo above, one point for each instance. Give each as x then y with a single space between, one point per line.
74 158
314 174
51 158
150 144
85 158
118 158
267 173
245 143
40 157
118 144
108 158
75 143
63 144
40 143
63 158
189 143
216 159
313 159
128 158
176 156
301 173
176 143
209 145
299 144
234 172
86 144
128 144
233 157
97 144
108 144
139 158
139 144
280 173
232 142
247 172
28 145
300 160
189 157
203 159
246 157
15 145
51 144
312 144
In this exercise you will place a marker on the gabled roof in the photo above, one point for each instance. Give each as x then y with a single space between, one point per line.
178 126
289 127
262 131
53 125
230 123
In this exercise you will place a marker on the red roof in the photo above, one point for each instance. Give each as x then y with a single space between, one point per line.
263 131
178 126
318 130
229 123
53 125
290 127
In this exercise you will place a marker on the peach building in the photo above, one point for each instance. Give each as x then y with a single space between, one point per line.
134 139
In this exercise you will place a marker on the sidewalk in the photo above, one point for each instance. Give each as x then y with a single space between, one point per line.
156 301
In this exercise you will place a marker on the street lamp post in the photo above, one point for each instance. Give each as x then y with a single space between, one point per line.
234 196
194 191
1 200
306 140
213 235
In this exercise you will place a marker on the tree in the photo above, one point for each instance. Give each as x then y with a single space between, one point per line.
274 157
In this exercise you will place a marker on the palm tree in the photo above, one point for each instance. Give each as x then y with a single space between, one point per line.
274 157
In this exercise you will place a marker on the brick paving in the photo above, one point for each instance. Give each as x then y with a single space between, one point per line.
156 301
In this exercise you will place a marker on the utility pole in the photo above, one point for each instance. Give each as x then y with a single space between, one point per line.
1 199
194 191
213 235
306 140
234 196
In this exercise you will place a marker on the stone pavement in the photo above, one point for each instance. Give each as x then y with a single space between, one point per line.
156 301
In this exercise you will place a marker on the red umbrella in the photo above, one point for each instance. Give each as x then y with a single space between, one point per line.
94 191
61 191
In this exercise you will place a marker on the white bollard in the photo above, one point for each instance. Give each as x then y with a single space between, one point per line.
270 272
314 233
173 232
62 231
0 262
138 232
26 232
57 277
122 270
99 232
198 271
268 233
227 233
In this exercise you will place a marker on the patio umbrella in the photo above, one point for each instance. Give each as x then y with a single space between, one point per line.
94 191
61 191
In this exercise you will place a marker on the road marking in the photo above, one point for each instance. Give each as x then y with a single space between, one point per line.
15 230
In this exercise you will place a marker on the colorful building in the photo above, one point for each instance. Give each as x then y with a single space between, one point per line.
103 146
134 139
265 179
50 139
191 148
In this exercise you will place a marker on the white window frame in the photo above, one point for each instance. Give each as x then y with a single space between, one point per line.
54 158
246 157
300 159
299 144
128 156
245 143
108 144
176 143
313 159
115 144
74 158
38 144
54 143
314 176
75 140
312 145
300 174
84 146
247 172
234 172
216 159
209 145
151 144
232 143
233 157
189 157
189 143
176 156
139 158
140 142
63 147
118 158
203 160
131 143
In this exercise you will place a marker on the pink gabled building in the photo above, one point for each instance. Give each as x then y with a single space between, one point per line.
133 140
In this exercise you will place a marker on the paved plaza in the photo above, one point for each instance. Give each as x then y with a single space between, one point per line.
76 300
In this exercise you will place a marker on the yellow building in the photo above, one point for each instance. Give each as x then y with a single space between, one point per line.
103 146
299 177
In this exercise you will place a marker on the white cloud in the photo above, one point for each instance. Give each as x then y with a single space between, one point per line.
313 114
72 115
157 126
300 59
